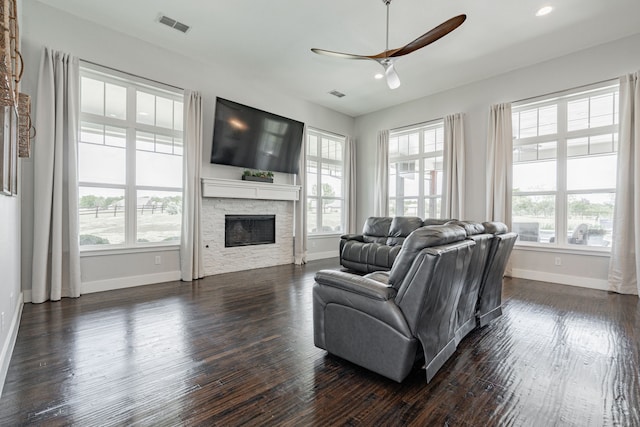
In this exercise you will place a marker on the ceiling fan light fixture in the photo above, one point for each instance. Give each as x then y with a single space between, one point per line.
388 56
544 11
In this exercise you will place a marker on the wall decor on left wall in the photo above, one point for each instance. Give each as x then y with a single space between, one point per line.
12 102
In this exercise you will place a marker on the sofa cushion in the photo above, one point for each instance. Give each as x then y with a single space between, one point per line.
424 237
495 227
436 221
470 227
376 229
401 227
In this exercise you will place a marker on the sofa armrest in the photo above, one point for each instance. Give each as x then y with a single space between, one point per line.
355 284
357 237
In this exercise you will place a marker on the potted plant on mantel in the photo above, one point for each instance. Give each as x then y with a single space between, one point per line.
260 176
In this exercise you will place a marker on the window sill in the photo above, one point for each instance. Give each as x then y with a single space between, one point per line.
92 252
322 236
588 251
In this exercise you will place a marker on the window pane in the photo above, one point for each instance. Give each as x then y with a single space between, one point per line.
331 180
159 216
177 115
158 170
164 144
548 120
115 137
434 140
116 101
577 147
602 110
590 219
534 176
410 207
145 141
312 215
313 146
591 172
92 96
178 146
432 207
433 176
312 178
145 108
578 114
392 207
534 218
528 152
394 148
528 123
393 179
91 133
101 164
408 178
164 112
331 149
102 216
331 216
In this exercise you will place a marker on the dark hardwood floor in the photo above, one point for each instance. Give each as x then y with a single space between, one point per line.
237 349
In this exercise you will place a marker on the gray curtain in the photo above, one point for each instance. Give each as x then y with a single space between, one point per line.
300 208
499 162
624 264
381 190
56 247
191 264
350 184
453 203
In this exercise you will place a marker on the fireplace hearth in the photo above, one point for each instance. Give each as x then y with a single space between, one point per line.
247 230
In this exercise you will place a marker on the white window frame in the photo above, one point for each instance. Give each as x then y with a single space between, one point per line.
419 157
132 83
562 134
320 161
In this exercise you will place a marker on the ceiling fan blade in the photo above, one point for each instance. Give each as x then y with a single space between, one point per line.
430 36
393 80
338 54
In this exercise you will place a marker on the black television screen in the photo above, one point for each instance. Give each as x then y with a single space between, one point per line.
255 139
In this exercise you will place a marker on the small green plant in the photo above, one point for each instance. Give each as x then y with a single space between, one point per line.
258 173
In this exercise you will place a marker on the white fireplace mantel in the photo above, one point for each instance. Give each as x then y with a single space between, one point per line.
237 189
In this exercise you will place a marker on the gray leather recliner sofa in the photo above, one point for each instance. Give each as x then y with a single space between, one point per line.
385 321
380 242
489 304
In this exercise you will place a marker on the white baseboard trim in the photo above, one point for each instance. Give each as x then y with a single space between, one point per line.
322 255
129 282
121 283
562 279
10 342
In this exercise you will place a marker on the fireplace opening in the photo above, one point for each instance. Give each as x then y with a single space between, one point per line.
245 230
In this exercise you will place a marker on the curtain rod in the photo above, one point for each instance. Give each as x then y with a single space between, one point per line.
130 74
612 80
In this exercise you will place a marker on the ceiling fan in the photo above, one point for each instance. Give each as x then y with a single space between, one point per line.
389 56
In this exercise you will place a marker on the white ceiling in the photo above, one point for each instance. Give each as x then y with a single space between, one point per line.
270 40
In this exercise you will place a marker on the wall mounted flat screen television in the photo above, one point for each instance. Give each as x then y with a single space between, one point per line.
247 137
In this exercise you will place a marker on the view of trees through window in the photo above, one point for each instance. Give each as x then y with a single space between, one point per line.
564 168
325 200
416 170
129 162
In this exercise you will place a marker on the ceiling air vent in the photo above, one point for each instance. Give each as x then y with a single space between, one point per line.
176 25
337 93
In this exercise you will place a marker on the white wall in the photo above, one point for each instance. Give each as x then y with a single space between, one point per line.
10 293
48 26
599 63
11 297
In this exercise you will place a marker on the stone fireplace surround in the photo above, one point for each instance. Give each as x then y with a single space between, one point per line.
222 197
